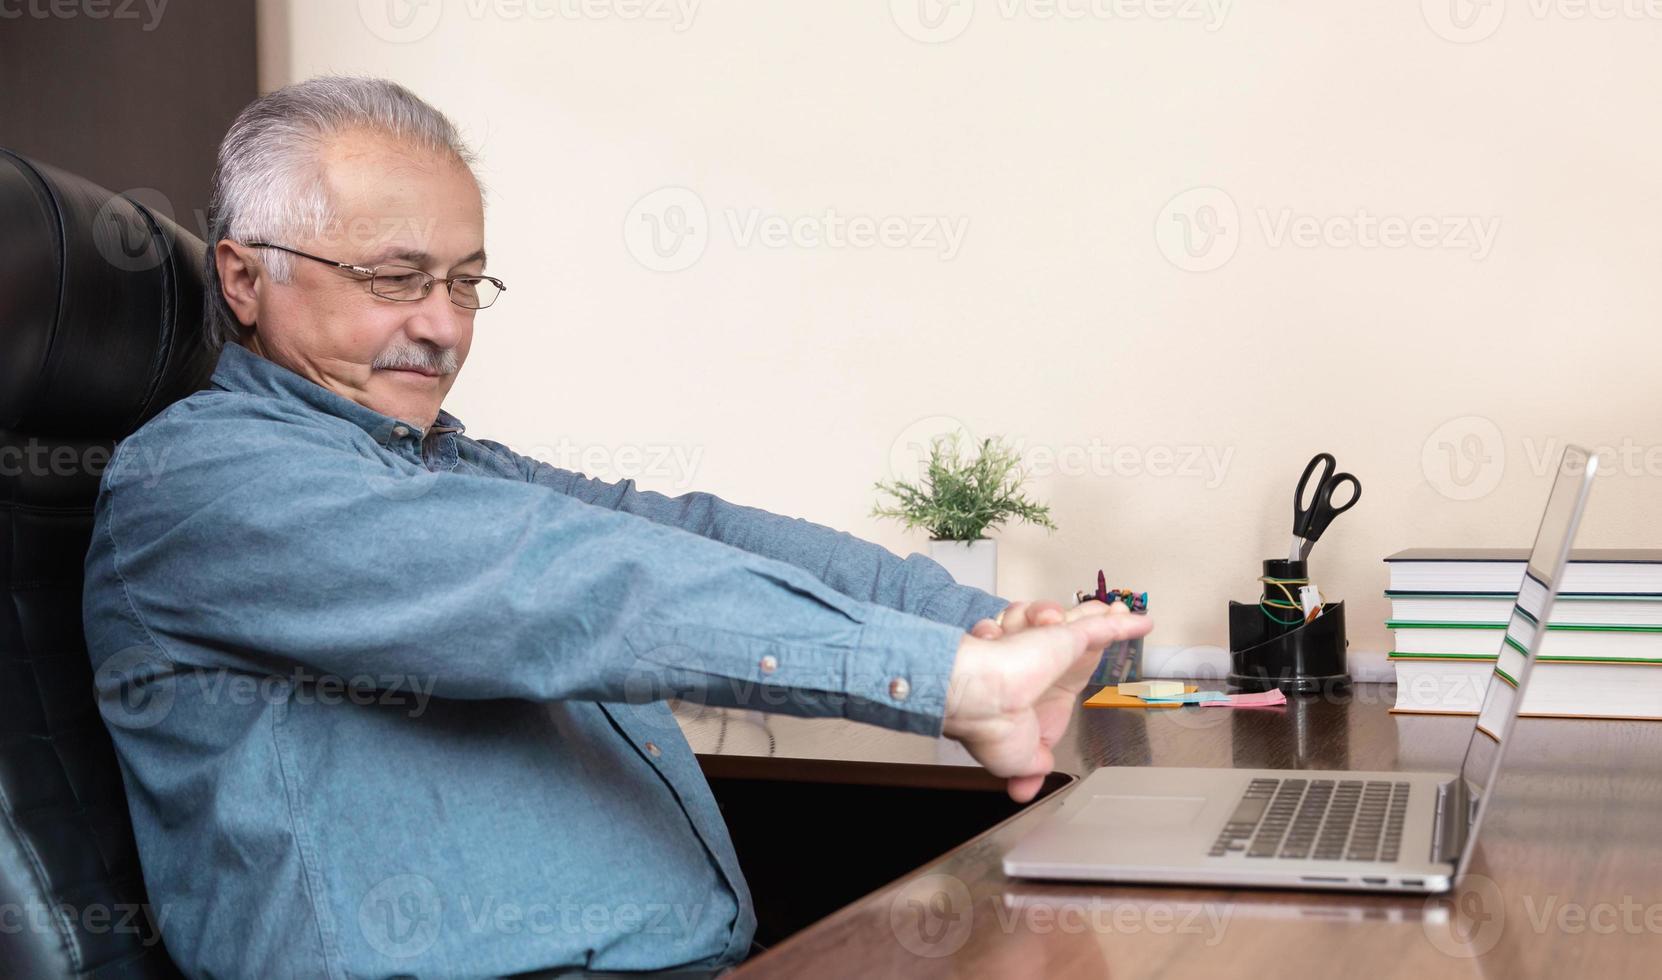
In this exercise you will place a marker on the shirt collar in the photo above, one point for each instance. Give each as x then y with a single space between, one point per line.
240 369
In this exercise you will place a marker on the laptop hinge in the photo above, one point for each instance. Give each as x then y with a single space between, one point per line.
1448 827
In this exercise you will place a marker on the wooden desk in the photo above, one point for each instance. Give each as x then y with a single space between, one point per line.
1567 879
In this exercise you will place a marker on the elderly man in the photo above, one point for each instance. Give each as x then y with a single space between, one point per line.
374 683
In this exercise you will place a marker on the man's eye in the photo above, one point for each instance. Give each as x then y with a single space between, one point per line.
400 285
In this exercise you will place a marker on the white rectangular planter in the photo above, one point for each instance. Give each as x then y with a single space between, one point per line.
972 563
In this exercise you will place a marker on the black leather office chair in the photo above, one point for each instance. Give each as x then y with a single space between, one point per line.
100 329
100 313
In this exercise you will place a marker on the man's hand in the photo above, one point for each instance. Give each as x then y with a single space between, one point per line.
1018 616
1010 699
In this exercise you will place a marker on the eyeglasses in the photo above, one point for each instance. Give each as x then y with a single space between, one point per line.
403 284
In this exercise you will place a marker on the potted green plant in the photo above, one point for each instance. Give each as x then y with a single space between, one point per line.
958 500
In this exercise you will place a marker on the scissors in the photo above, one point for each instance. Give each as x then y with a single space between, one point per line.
1310 520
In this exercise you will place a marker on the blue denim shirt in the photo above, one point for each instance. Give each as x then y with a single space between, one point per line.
391 702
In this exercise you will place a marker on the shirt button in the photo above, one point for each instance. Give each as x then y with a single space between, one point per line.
652 747
899 689
400 431
769 664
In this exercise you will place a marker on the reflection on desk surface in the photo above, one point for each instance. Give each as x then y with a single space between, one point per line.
1309 733
1116 910
1564 882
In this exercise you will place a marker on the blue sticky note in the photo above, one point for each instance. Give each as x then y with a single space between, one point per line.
1193 697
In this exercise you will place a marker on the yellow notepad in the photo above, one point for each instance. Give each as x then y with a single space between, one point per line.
1108 697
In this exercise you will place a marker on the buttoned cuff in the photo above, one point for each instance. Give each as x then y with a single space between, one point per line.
898 673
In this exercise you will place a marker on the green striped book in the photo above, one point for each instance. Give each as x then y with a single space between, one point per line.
1594 571
1494 609
1557 689
1563 641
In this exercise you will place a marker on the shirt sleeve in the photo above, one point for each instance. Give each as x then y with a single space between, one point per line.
853 566
274 544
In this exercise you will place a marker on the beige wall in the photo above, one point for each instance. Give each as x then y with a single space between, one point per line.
1071 153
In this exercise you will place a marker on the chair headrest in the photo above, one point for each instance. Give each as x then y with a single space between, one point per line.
100 306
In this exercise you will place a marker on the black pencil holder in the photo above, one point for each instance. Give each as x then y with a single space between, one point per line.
1296 656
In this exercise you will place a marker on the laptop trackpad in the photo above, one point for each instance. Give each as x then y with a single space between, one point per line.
1141 812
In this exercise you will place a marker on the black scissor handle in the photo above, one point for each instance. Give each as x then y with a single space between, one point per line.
1309 521
1302 511
1325 511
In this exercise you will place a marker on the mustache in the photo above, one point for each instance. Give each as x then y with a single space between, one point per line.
419 357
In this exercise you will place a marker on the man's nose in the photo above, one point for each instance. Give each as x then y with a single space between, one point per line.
436 320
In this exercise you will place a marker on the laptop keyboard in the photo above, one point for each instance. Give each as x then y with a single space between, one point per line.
1323 819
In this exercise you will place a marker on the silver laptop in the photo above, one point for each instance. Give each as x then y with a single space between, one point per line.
1384 831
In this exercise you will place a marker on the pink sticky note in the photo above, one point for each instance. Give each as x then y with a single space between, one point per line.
1268 699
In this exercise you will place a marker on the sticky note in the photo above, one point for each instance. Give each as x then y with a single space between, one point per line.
1151 689
1193 697
1268 699
1107 698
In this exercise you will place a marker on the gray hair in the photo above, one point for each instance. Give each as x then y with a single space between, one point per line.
268 184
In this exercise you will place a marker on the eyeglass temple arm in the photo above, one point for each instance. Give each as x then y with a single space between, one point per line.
315 258
362 270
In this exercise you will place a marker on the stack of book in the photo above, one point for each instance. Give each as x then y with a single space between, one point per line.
1601 656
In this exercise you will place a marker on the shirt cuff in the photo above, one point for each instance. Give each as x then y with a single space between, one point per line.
964 605
898 673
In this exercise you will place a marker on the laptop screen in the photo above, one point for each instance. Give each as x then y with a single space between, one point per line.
1525 630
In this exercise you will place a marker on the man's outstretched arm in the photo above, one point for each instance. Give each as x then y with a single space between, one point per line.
853 566
271 544
237 535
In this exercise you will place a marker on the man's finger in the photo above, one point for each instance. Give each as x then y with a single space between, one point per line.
1090 607
1054 717
1103 630
1046 613
1074 679
1012 615
1024 788
986 629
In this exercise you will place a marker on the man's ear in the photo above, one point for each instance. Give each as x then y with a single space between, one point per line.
240 279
